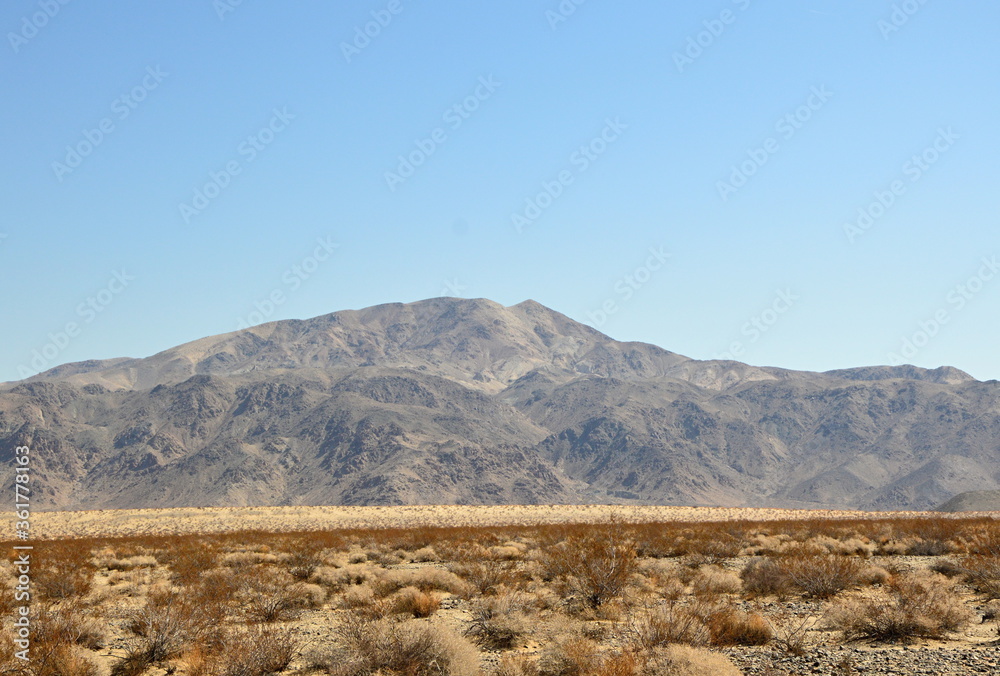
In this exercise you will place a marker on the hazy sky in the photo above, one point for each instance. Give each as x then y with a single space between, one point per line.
807 184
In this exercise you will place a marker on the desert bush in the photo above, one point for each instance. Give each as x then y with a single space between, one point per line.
65 571
765 577
516 665
187 562
244 560
912 605
52 659
367 647
575 656
358 596
128 563
412 601
670 623
732 626
426 555
338 578
302 563
982 572
596 567
67 624
822 576
991 611
790 632
498 621
683 660
712 580
487 576
271 596
169 624
425 579
947 567
256 650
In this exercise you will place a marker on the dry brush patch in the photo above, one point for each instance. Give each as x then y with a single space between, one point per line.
606 599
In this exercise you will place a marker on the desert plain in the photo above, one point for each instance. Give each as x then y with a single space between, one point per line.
545 590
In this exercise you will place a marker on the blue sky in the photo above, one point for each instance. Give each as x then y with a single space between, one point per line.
809 185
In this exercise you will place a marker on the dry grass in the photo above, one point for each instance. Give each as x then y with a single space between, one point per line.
369 646
911 606
585 599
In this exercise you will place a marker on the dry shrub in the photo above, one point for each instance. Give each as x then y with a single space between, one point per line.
129 563
256 650
822 576
187 562
338 578
670 623
982 572
682 660
712 580
508 552
271 596
765 577
912 605
991 611
168 625
64 570
791 632
67 624
731 626
302 563
498 621
412 601
516 665
426 555
358 596
367 647
487 576
52 659
572 657
425 579
243 560
595 566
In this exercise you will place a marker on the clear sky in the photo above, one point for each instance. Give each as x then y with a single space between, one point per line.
807 184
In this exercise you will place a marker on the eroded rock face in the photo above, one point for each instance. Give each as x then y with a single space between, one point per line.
451 401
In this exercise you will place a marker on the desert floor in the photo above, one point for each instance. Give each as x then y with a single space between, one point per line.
193 520
506 591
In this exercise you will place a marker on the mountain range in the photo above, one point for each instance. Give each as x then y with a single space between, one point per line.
456 401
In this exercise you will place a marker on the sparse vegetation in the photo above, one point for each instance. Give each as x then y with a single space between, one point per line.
567 600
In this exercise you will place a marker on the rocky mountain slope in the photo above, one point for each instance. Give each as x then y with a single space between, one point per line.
451 401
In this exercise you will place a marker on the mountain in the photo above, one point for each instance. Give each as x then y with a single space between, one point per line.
973 501
466 401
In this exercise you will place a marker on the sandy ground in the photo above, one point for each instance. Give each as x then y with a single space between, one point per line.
180 521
